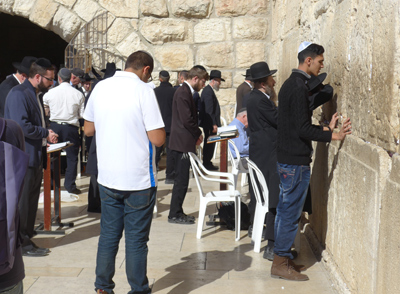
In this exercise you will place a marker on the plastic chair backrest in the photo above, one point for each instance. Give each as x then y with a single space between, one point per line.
258 183
223 120
200 171
234 161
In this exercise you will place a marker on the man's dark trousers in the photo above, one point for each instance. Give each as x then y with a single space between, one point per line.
181 182
208 149
28 203
67 132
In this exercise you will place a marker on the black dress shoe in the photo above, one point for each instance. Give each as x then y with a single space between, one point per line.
33 252
183 220
211 167
75 191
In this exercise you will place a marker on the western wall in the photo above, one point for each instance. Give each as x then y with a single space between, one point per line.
355 184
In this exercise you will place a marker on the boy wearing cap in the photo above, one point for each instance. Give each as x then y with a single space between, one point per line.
294 151
24 107
210 116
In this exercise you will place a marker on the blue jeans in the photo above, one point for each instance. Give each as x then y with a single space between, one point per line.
293 192
132 210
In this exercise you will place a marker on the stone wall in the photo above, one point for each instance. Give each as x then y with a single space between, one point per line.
219 34
355 184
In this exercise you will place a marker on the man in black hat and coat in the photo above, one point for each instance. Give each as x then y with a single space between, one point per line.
210 116
243 89
165 95
23 106
263 120
14 79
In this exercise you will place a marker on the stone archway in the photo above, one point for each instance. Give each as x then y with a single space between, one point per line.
20 37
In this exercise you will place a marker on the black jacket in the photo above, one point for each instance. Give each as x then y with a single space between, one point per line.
262 116
5 87
165 95
211 111
184 128
295 130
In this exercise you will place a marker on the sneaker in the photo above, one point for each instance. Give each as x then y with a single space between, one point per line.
101 291
269 253
75 191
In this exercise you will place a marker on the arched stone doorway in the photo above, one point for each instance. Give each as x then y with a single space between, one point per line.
20 37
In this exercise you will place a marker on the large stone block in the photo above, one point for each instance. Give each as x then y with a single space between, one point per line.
66 23
43 12
213 30
87 9
254 28
7 6
248 53
67 3
238 78
130 44
121 8
119 29
226 96
23 7
227 76
174 57
218 55
191 8
154 8
240 7
159 31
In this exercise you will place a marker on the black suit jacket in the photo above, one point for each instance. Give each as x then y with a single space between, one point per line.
184 128
262 116
241 91
211 111
165 95
5 88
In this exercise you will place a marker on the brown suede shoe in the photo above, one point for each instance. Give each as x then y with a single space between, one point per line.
283 269
297 267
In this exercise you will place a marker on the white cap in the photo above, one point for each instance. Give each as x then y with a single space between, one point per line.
303 46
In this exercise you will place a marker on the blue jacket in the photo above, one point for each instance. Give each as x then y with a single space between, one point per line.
22 107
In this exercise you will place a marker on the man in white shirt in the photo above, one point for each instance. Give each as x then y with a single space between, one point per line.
65 105
126 132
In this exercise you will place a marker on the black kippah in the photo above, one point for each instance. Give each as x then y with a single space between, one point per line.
43 62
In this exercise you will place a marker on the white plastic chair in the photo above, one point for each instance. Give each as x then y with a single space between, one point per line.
261 194
223 122
214 196
236 163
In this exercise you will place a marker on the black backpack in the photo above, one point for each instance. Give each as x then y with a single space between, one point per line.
226 213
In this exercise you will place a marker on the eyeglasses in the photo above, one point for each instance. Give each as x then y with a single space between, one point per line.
50 80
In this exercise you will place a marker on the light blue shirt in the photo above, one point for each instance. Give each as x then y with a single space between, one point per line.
241 142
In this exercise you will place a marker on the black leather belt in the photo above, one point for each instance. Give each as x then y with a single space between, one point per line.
63 123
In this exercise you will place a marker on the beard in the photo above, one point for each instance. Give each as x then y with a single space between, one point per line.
216 87
272 95
42 87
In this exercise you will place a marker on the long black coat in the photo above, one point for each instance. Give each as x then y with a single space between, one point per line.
262 116
241 91
211 111
165 95
5 88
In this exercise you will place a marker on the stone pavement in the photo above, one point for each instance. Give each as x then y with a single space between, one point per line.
178 263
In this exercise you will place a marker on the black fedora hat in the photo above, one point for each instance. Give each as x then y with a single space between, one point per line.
25 64
87 78
261 70
216 74
248 74
316 80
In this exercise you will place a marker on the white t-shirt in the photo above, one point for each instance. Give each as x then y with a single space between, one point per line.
123 109
66 104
